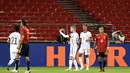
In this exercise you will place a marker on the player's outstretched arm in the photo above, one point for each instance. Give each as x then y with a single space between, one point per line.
64 35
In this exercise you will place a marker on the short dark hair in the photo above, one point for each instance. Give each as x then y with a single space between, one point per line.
17 28
23 22
101 27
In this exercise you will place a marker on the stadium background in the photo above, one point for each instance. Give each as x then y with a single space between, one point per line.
46 17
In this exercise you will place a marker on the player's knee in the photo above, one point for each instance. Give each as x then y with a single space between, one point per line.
71 58
27 59
86 56
12 60
99 59
17 58
105 59
80 55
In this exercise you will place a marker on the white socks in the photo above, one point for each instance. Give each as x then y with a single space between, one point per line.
75 64
81 62
10 62
87 63
70 64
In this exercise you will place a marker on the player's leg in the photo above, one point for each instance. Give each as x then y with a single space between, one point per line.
74 59
75 64
17 58
100 61
15 53
104 61
70 59
12 59
26 54
28 63
87 53
70 63
81 51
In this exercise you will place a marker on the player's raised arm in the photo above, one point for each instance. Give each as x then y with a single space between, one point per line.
64 35
22 32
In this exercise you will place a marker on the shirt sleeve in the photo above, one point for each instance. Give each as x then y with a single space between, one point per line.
114 33
90 35
10 36
66 36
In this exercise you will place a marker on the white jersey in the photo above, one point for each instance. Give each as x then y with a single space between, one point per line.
85 38
14 41
74 37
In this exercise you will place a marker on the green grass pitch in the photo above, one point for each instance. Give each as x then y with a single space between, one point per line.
62 70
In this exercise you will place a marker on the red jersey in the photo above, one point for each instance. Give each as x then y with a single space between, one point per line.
101 42
24 31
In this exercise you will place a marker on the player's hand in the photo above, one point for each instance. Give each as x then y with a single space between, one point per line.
118 31
95 47
87 40
18 47
61 30
72 57
68 42
107 51
97 53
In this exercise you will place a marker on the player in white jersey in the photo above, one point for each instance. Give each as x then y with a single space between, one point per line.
13 40
85 37
74 37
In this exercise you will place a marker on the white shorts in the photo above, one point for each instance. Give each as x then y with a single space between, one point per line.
73 51
84 49
13 55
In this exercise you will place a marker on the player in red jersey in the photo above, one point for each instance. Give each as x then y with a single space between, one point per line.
23 47
101 43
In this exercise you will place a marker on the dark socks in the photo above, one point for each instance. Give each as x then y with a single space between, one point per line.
17 63
100 64
104 64
28 65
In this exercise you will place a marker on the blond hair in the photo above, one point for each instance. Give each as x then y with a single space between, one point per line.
73 26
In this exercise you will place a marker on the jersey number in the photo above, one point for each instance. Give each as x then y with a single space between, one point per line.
13 40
